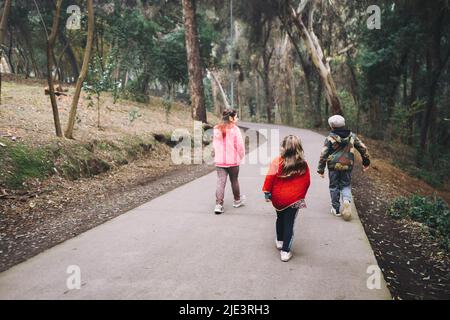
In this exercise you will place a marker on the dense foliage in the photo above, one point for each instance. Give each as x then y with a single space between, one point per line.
392 82
433 212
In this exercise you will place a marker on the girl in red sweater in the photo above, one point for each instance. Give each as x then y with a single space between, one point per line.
286 184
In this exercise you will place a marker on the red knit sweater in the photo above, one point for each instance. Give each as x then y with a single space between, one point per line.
285 191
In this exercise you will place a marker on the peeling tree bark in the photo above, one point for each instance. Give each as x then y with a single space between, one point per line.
216 82
258 97
315 50
84 70
435 66
27 43
3 24
306 67
265 74
193 60
70 56
216 103
50 63
291 83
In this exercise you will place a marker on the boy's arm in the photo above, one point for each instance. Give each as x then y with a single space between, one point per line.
362 149
323 157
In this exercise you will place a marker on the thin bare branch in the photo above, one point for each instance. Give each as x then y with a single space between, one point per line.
301 7
42 19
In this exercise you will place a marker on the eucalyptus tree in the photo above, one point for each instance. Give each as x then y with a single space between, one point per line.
84 70
3 24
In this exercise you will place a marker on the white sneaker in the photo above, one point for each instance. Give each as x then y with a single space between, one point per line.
218 209
285 256
279 244
336 214
240 202
347 212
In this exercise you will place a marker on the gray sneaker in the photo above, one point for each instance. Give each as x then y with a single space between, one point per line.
285 256
335 213
240 202
218 209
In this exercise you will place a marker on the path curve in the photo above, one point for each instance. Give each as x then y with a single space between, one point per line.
174 247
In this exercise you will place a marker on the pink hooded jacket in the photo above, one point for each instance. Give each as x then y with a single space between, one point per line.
228 146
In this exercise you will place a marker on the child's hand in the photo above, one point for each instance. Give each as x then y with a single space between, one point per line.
365 168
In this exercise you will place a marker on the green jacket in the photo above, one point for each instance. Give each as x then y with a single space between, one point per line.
338 152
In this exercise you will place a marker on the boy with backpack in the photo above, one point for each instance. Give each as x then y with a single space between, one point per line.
338 154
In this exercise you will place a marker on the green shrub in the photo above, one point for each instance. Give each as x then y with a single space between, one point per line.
20 163
431 211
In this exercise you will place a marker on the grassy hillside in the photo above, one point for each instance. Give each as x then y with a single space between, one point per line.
30 151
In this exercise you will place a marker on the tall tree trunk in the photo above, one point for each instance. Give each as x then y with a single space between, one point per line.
3 24
258 97
98 111
353 80
216 103
267 94
291 85
26 61
25 33
70 55
56 63
193 61
412 99
238 100
375 117
267 54
10 50
435 66
318 111
306 67
84 70
125 80
50 64
315 50
216 82
354 90
286 79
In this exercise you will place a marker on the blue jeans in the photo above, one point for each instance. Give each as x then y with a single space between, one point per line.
285 227
340 185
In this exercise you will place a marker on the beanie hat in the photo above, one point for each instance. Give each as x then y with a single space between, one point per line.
336 121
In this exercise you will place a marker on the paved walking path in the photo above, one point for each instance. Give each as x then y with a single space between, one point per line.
174 247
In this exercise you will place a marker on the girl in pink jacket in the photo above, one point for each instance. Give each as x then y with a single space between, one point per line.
229 150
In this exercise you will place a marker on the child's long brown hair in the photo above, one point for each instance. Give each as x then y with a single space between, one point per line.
292 156
225 122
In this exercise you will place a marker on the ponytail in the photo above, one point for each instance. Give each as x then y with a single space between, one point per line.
225 122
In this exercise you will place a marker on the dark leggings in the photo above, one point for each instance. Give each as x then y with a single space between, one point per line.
222 174
285 227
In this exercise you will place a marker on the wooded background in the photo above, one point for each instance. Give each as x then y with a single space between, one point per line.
287 62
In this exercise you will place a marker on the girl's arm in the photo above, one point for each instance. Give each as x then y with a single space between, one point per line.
271 174
217 135
307 179
240 147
